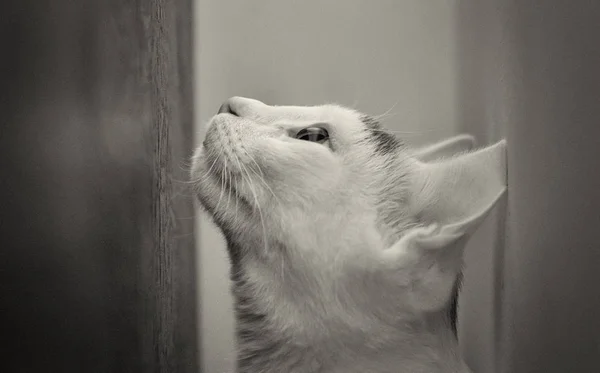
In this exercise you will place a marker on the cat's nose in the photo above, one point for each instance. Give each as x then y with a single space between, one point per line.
227 107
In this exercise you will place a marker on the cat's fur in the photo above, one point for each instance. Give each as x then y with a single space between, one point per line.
343 255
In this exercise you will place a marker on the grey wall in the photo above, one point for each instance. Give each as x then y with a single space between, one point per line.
96 264
484 99
370 54
530 69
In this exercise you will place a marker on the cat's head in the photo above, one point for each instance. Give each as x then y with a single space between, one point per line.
330 218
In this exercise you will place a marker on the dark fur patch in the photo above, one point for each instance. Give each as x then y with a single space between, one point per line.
249 320
385 142
370 122
453 308
257 349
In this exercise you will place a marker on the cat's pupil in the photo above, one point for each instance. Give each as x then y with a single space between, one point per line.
314 134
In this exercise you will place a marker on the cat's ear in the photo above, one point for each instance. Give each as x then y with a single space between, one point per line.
451 197
445 148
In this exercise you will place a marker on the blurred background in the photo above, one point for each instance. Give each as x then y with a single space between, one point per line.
106 265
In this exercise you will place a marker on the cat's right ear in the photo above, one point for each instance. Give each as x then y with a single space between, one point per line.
428 259
450 197
445 148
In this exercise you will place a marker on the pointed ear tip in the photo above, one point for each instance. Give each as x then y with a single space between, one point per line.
502 143
468 138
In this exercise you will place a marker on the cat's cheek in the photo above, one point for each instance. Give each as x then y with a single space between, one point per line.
294 154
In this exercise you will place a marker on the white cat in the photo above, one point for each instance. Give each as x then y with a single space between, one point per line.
345 243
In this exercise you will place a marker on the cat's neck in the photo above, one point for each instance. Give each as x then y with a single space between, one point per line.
427 345
265 352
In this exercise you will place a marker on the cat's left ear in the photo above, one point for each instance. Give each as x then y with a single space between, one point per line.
445 148
447 190
451 198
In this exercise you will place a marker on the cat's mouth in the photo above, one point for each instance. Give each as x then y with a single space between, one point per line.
225 144
227 184
217 169
221 149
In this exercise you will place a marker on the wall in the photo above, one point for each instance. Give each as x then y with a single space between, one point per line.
97 261
530 69
483 102
374 55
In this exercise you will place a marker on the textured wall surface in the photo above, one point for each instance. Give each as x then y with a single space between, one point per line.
530 70
97 238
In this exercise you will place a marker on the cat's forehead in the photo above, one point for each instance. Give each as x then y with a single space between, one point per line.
288 116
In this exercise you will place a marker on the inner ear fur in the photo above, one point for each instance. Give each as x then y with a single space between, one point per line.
452 197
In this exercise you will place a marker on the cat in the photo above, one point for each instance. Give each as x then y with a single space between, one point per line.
345 243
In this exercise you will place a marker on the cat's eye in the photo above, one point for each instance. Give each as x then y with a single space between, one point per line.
313 134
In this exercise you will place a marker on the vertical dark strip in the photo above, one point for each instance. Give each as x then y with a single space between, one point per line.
186 341
453 308
97 264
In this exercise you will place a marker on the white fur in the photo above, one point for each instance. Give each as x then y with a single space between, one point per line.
349 254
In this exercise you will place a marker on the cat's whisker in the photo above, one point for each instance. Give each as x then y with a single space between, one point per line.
251 185
282 269
228 186
245 179
235 213
383 118
257 205
206 174
420 132
184 182
213 164
261 176
223 175
229 191
386 113
228 183
253 161
401 132
262 180
228 197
